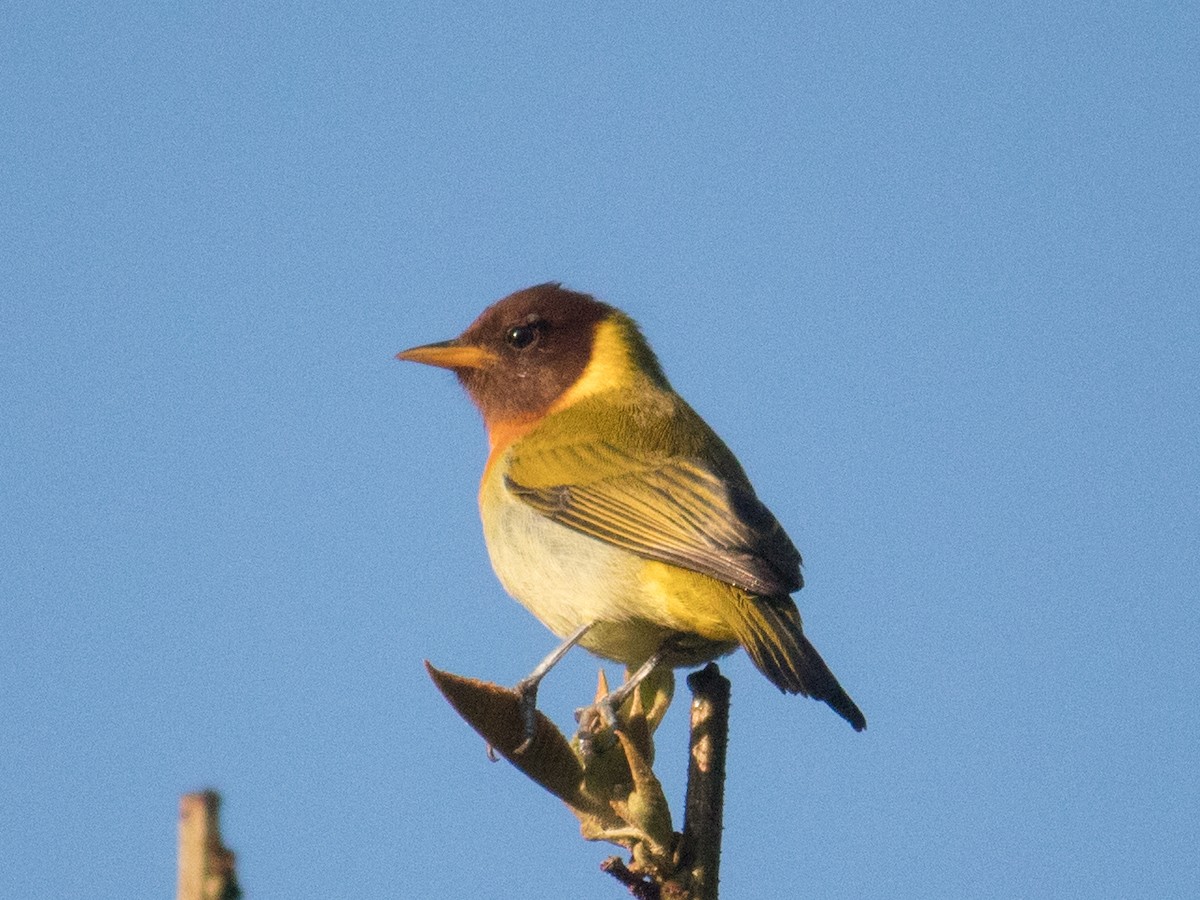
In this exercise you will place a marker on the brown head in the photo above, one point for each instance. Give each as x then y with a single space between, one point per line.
525 352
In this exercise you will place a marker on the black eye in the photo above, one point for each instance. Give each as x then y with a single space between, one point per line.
521 336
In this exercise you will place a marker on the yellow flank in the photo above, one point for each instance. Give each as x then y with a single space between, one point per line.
691 601
618 361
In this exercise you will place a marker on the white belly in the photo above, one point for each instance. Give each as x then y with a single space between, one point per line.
568 579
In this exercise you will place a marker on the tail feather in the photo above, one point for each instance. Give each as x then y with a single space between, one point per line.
770 630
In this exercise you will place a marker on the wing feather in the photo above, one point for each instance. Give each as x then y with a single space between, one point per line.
680 510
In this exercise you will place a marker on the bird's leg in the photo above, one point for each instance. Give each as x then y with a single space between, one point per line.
526 689
605 709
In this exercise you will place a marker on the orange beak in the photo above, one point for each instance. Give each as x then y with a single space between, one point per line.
449 355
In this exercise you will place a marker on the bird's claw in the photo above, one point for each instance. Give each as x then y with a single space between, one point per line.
526 690
594 721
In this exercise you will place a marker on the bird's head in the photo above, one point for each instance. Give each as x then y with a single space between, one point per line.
539 349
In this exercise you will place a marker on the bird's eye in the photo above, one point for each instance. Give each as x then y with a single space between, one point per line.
521 336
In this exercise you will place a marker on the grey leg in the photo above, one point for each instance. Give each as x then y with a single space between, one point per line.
526 689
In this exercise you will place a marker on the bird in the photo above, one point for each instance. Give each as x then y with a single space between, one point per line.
613 512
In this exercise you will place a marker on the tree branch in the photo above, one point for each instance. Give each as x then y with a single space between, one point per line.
206 865
705 804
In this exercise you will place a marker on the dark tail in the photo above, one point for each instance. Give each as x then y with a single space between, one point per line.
770 630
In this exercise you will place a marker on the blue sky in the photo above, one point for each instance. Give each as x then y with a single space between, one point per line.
931 271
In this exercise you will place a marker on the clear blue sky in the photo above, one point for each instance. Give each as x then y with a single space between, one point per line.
933 272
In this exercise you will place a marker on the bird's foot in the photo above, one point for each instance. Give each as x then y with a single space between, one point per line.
527 690
598 720
594 721
597 717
